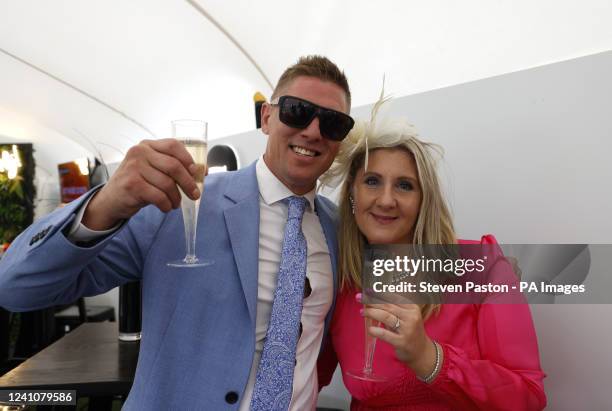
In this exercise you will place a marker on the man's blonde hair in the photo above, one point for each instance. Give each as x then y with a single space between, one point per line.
316 66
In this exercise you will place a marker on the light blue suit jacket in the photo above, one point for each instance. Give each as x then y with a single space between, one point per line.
198 325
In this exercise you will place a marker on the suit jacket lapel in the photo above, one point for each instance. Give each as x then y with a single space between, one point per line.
327 217
242 221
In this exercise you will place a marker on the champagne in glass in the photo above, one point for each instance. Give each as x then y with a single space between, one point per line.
193 135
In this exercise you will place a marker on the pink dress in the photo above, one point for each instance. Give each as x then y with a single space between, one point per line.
491 360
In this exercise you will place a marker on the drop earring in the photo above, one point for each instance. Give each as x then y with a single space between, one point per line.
352 204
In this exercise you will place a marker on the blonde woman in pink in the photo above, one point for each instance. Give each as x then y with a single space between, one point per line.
441 356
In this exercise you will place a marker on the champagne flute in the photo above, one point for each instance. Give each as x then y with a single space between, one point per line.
193 134
368 296
367 372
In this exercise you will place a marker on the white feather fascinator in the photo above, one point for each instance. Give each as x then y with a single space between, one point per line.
378 132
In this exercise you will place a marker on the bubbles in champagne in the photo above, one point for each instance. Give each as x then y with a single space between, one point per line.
189 207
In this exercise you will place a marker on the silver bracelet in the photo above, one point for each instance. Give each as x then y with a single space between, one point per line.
437 367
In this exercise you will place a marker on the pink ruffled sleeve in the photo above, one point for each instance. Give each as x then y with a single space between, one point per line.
508 375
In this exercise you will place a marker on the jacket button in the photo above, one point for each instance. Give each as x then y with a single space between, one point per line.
231 397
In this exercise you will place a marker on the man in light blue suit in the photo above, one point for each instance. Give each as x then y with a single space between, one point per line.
203 329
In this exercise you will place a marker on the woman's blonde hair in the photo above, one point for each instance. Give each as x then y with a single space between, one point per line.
434 223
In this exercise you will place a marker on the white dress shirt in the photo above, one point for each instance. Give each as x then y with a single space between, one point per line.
272 220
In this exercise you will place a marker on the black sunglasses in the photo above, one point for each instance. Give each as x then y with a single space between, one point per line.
299 113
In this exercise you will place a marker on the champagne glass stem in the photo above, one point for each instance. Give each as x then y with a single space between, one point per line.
190 218
370 346
366 373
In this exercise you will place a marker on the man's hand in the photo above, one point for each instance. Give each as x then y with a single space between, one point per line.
148 174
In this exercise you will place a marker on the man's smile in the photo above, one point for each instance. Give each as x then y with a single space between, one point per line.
304 151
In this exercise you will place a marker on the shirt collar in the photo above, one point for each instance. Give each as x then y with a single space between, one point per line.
272 189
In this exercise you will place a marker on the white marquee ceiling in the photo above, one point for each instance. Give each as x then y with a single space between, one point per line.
103 75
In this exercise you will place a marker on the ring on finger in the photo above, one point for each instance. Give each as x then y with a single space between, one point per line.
397 324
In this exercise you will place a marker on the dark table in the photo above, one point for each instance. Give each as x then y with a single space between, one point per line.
90 359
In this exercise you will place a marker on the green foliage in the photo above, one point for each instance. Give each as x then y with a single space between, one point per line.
12 209
15 201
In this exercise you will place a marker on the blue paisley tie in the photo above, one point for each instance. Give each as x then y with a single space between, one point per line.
274 381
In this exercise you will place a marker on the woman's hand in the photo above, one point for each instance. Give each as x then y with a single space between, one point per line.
405 331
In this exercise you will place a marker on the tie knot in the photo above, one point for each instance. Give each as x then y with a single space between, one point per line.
297 205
